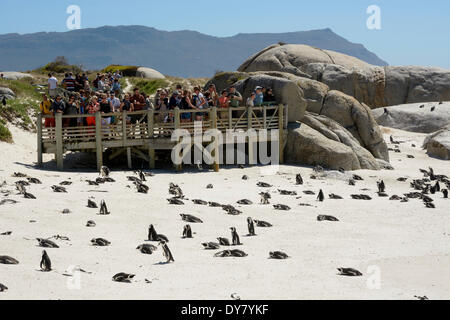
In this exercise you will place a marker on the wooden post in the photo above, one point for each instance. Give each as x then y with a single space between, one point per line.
249 118
176 121
59 142
249 135
281 132
98 140
124 127
215 152
130 165
151 128
39 139
265 117
286 116
230 118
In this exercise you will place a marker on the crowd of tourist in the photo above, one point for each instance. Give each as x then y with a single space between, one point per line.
105 95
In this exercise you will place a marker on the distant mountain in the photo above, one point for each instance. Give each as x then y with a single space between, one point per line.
178 53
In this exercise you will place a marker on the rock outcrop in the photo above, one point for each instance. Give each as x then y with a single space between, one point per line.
149 73
12 75
437 144
417 117
7 93
375 86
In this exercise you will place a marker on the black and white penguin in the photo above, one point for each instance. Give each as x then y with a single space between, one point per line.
104 171
251 227
91 204
262 224
147 248
46 264
45 243
123 277
59 189
154 236
175 201
211 245
278 255
8 260
381 186
265 197
190 218
282 207
100 242
445 193
223 241
235 237
321 196
103 208
166 252
187 232
3 287
90 224
350 272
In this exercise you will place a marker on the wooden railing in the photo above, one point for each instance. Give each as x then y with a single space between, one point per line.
145 128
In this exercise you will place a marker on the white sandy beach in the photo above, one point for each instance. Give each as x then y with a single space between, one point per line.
407 242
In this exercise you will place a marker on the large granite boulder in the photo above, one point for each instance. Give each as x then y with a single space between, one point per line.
7 93
375 86
357 118
12 75
285 91
416 117
334 131
437 144
308 146
149 73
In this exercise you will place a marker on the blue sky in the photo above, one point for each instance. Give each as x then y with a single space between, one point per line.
412 32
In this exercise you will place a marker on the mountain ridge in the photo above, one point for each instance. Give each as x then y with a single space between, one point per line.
183 53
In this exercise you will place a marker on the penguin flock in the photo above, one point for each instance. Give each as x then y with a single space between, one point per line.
425 189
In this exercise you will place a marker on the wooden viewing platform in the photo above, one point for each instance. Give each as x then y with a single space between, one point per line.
150 133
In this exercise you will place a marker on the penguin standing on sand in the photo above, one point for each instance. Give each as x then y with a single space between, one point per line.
187 232
104 171
445 193
235 237
46 264
321 196
166 252
251 227
299 179
381 186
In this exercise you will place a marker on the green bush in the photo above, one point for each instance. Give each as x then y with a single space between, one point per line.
148 86
5 134
127 71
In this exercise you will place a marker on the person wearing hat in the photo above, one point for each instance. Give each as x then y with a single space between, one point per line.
259 97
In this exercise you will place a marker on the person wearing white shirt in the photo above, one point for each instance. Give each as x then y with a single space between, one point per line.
52 85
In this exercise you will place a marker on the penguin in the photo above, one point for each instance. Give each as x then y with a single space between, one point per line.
381 186
320 197
437 186
27 195
244 177
4 101
350 272
166 252
2 286
235 237
282 207
92 183
251 227
175 190
91 204
46 264
8 260
278 255
123 277
141 176
153 236
90 224
175 201
133 179
200 202
146 248
210 186
59 189
190 218
265 197
335 196
223 241
141 188
34 180
214 204
262 224
104 171
309 192
45 243
103 208
357 178
187 232
100 242
245 202
211 245
326 218
445 193
299 179
287 193
65 183
433 108
263 185
231 253
351 182
231 210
